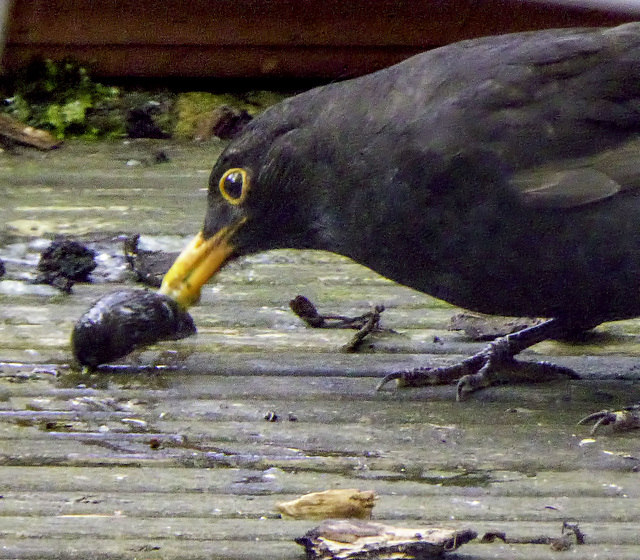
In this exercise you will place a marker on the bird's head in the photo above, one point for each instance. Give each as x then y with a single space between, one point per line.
257 201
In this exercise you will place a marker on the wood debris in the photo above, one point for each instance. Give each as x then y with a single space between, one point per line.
13 131
489 327
364 540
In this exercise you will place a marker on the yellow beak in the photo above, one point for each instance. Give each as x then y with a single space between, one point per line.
198 262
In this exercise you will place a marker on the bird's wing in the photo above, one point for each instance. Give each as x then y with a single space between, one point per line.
563 112
565 189
574 182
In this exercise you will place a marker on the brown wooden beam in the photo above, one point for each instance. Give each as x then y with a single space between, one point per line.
253 38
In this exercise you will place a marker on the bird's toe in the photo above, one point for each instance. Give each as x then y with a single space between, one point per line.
622 420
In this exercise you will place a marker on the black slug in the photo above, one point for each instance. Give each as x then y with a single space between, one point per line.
124 320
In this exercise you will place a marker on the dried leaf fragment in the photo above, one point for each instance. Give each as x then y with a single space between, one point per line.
340 503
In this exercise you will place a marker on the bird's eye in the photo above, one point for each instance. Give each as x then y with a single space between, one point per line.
234 185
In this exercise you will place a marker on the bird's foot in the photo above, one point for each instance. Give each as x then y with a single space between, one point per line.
494 365
622 420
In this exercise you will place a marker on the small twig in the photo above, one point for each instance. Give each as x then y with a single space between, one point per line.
372 324
492 536
365 324
308 312
564 542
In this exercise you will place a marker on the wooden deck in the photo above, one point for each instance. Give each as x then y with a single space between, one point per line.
170 456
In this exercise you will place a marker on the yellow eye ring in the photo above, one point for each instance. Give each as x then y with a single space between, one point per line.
234 185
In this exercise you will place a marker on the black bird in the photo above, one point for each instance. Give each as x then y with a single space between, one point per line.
500 174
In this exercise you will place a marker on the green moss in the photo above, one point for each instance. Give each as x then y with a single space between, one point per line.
194 106
257 101
59 97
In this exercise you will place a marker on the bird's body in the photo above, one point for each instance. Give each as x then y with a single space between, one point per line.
500 174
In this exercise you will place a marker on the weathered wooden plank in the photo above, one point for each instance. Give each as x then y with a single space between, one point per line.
195 529
228 550
563 490
124 548
403 438
194 533
473 508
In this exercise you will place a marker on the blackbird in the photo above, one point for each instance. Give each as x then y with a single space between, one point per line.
500 174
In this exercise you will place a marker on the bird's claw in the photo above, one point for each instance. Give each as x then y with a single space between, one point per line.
623 420
395 376
473 382
496 358
494 365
